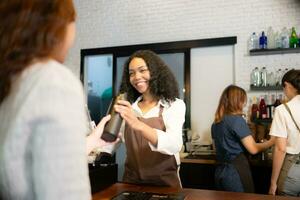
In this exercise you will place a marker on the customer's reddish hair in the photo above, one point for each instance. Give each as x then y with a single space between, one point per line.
30 30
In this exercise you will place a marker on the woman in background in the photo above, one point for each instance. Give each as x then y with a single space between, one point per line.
232 139
285 128
43 149
153 130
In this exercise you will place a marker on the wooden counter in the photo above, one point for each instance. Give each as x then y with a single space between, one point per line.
254 160
191 194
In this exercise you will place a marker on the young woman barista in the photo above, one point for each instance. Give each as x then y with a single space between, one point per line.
153 128
232 138
285 128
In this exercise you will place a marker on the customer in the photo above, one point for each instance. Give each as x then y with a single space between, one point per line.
285 128
43 154
153 130
232 138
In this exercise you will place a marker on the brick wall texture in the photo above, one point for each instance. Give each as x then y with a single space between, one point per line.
104 23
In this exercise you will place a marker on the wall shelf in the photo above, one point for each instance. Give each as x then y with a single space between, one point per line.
266 88
257 52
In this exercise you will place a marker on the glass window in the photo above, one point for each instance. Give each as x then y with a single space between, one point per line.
98 76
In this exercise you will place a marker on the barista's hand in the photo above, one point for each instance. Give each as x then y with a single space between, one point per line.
127 113
273 188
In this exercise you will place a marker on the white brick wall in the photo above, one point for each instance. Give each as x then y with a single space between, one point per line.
104 23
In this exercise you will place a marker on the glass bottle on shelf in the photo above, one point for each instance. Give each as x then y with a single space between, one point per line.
247 110
285 38
263 41
272 105
253 42
263 75
277 101
254 109
271 38
277 37
294 39
270 79
278 77
269 104
281 99
262 108
255 77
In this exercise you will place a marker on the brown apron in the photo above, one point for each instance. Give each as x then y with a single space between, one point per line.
242 166
144 166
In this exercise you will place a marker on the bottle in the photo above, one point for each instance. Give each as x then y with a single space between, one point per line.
277 101
272 106
263 75
268 104
278 41
270 79
262 109
285 38
281 99
112 128
271 38
253 42
254 110
293 39
255 77
263 41
248 110
278 77
252 77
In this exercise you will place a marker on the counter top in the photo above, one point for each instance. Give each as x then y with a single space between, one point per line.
255 160
200 159
191 194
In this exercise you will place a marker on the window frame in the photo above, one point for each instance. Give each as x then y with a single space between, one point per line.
159 48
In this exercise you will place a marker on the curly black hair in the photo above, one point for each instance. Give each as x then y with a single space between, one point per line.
162 83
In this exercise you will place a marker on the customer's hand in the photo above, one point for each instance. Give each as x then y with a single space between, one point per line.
97 132
94 139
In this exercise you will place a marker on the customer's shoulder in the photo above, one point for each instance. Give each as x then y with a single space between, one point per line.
56 71
50 76
53 73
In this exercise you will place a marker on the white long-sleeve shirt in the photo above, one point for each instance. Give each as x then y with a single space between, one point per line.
43 136
169 142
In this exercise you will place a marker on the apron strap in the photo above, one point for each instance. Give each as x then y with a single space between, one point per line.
289 110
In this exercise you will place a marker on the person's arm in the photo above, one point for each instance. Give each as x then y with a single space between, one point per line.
278 158
127 113
253 147
169 141
94 139
57 160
